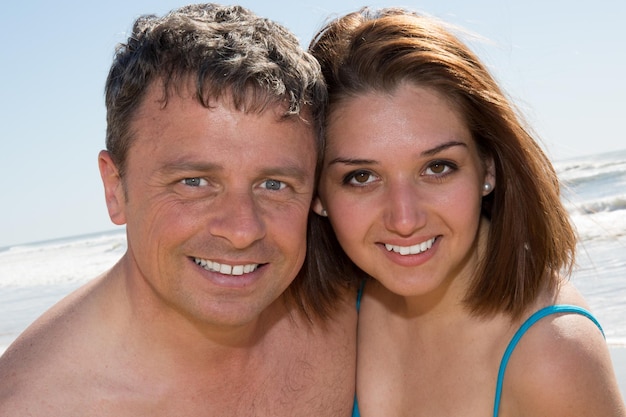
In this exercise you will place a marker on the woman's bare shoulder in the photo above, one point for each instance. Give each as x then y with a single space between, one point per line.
562 367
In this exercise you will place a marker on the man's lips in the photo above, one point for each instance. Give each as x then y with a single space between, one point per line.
224 268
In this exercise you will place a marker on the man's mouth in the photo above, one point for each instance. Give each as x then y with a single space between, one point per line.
225 269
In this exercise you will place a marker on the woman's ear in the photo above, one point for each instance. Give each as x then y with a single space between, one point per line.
490 177
113 188
318 207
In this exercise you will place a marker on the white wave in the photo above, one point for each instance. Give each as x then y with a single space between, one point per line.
584 161
606 226
613 203
62 261
34 276
589 167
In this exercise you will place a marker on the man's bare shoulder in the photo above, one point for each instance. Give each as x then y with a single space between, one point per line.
69 361
40 361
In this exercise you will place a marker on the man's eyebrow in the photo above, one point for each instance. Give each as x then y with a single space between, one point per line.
189 166
289 171
443 147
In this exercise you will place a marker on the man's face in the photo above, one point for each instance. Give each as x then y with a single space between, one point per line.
216 205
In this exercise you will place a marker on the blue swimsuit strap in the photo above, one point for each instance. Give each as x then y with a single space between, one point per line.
355 406
554 309
359 295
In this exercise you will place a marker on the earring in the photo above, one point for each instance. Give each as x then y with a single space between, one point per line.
487 187
324 213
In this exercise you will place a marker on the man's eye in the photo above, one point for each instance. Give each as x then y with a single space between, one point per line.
194 182
274 185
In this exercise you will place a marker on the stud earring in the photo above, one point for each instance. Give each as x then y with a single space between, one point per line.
487 187
324 213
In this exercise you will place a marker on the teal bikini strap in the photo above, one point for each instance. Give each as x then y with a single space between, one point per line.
359 295
355 407
520 332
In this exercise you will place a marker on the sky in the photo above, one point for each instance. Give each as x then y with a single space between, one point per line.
561 63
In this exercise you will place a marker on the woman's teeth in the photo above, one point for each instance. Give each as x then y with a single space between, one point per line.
411 250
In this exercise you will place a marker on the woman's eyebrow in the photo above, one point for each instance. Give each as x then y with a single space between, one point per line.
428 152
352 161
443 147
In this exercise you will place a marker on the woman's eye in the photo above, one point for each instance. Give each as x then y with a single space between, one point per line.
194 182
438 169
359 178
362 177
274 185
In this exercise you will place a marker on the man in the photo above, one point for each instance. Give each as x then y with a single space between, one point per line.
213 117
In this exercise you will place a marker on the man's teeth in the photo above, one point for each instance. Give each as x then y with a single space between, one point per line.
225 268
411 250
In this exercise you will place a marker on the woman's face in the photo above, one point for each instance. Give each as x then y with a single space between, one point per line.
402 185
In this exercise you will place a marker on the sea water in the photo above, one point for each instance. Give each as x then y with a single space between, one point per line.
35 276
594 192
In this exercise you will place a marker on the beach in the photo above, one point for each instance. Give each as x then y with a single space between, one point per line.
29 288
35 276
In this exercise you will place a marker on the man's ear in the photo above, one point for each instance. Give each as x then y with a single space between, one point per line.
318 207
113 188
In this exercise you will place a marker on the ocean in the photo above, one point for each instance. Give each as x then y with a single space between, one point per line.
35 276
594 192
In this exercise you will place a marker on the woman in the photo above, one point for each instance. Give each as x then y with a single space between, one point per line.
436 190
